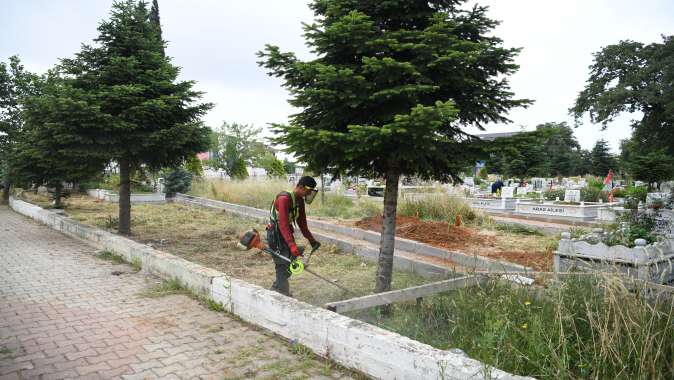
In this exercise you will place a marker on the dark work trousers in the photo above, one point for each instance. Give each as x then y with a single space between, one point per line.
281 284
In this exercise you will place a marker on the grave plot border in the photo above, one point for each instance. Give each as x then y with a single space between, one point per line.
473 262
110 196
402 295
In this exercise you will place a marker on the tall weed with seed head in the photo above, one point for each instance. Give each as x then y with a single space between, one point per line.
442 207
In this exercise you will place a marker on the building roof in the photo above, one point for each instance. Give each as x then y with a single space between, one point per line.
494 136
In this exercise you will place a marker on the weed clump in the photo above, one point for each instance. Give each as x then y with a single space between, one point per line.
588 328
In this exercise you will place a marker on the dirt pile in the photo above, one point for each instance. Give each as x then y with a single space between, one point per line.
463 239
439 234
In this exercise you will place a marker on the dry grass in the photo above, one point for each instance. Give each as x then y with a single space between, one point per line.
209 238
259 194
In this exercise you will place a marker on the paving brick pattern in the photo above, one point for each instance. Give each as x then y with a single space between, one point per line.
63 314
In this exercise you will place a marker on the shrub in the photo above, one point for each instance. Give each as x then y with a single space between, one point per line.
177 181
551 195
638 192
619 193
631 225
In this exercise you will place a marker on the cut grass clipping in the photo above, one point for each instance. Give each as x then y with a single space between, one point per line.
581 328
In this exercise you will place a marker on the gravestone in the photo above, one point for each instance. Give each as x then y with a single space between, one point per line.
664 197
664 223
507 192
572 196
522 190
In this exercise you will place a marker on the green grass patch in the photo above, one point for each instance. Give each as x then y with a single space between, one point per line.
519 229
136 264
165 288
582 328
110 256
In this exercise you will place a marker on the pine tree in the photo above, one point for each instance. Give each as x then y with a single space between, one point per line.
155 20
148 117
15 84
47 150
391 92
602 159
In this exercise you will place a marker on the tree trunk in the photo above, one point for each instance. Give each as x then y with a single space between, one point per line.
5 191
387 245
57 195
322 190
124 197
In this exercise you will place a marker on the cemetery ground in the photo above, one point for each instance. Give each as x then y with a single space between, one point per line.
577 328
429 220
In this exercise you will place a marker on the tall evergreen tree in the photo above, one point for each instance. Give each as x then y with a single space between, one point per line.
391 92
15 84
602 159
148 117
47 151
156 21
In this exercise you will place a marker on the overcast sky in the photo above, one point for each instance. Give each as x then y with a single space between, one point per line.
215 41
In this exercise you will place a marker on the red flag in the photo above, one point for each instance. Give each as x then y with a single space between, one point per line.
610 196
609 177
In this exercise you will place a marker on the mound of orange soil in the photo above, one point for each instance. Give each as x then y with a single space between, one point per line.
463 239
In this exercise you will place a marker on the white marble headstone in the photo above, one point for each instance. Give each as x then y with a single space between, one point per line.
572 196
507 192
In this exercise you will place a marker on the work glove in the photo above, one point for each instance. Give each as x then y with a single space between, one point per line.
315 245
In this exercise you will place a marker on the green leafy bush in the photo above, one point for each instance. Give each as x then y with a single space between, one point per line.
632 225
638 192
592 194
177 181
551 195
619 193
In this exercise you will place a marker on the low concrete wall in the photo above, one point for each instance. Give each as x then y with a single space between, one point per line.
109 196
354 344
400 261
580 212
654 262
498 204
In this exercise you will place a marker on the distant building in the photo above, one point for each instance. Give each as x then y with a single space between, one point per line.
494 136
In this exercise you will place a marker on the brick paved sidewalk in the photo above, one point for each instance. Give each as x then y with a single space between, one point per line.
63 314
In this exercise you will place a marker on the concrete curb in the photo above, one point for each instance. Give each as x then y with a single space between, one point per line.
379 353
468 261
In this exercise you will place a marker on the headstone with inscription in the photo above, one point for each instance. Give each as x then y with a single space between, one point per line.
572 196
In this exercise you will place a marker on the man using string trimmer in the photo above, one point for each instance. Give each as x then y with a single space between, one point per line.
286 211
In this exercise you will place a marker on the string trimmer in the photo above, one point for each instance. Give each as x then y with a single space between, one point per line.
251 239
